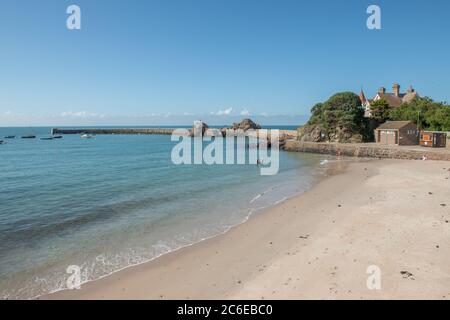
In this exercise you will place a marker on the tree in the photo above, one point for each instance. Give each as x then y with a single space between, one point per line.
380 110
342 114
439 118
317 113
425 112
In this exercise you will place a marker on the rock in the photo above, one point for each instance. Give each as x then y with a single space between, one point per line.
245 125
199 126
311 133
316 133
406 274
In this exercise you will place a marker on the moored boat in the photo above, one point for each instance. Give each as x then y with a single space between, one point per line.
47 138
57 137
29 137
10 137
86 136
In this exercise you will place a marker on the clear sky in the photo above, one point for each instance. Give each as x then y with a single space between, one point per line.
162 61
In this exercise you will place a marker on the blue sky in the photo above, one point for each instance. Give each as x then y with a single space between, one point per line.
165 61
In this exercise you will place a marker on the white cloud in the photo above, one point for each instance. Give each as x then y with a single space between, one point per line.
225 112
245 112
81 114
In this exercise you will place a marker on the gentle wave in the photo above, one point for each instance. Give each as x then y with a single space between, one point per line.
116 202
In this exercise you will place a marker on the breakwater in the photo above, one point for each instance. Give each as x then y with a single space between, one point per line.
284 134
159 131
369 150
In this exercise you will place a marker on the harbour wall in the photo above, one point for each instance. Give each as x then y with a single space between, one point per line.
369 150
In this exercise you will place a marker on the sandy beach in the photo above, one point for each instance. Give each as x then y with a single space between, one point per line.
392 214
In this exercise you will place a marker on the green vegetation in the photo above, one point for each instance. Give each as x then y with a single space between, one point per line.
380 111
425 112
343 110
340 119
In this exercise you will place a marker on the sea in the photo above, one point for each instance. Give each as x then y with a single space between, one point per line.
115 201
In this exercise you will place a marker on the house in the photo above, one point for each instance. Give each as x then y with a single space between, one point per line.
395 98
401 133
433 139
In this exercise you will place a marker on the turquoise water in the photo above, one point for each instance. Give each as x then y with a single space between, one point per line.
114 201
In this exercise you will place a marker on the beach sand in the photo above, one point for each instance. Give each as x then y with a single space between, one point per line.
389 213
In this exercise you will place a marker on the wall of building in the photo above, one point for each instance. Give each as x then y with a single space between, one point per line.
409 135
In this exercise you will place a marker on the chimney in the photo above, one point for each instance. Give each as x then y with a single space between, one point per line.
396 89
382 90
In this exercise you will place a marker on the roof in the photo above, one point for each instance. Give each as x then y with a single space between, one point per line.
411 95
391 99
362 97
396 100
438 132
394 125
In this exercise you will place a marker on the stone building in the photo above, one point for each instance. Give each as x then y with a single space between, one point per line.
395 98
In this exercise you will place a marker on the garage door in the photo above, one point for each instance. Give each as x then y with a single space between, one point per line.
388 137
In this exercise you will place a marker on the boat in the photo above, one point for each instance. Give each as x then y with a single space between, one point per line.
29 137
10 137
57 137
47 138
86 136
2 142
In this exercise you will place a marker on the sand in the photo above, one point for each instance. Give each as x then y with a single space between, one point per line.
391 214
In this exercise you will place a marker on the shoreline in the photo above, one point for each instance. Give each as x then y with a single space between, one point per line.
330 169
337 166
250 260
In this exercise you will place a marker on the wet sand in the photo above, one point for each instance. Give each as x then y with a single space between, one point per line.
392 214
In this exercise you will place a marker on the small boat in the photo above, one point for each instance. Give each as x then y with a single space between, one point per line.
29 137
10 137
47 138
57 137
86 136
2 142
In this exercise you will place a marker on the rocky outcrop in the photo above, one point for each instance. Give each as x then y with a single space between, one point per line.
316 133
245 125
339 119
311 133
